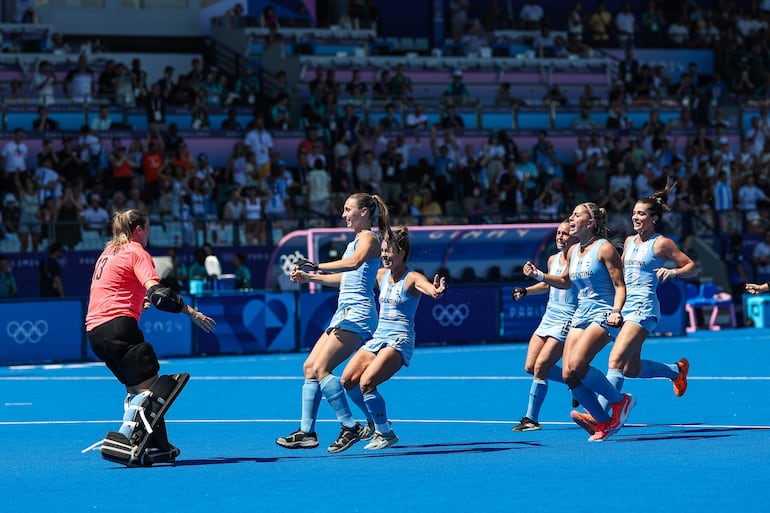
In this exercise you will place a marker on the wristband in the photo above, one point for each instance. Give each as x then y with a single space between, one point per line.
615 310
539 276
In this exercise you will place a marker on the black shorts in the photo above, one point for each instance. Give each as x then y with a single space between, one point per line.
120 344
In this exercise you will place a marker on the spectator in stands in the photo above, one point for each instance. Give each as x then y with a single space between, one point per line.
389 121
8 288
451 119
10 214
554 97
248 89
48 181
678 33
600 25
584 121
625 25
531 15
507 193
458 17
79 82
122 170
343 183
393 173
575 22
95 217
268 18
645 86
277 206
457 91
417 119
280 117
58 45
199 112
749 196
653 25
504 98
431 211
319 190
196 75
43 123
155 108
166 82
260 142
544 44
474 39
617 117
44 81
722 194
102 120
50 272
381 89
356 82
549 163
14 155
528 175
231 121
369 173
628 69
400 86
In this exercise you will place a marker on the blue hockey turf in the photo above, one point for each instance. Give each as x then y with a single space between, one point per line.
453 410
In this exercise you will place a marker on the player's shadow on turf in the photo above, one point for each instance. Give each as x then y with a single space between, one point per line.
221 461
445 449
689 434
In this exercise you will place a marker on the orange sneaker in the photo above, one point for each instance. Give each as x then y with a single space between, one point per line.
680 382
584 420
603 432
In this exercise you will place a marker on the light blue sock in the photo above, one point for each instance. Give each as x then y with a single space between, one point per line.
357 397
311 401
597 382
652 369
537 393
587 398
616 379
376 406
555 374
332 390
127 428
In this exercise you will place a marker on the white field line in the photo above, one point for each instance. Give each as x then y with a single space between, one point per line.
400 421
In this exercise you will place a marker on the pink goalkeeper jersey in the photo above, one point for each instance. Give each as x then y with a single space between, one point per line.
117 286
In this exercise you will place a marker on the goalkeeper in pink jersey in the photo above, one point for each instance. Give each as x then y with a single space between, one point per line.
123 284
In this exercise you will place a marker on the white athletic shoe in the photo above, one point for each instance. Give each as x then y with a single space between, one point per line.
382 441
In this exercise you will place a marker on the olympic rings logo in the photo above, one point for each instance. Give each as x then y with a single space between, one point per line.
288 261
450 315
27 331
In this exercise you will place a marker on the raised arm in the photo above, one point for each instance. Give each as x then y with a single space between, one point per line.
417 284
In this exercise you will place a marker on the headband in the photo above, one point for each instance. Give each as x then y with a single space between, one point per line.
590 212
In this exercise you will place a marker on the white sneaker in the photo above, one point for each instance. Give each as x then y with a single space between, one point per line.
382 440
368 432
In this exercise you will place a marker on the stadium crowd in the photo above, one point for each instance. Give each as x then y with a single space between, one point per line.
76 181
